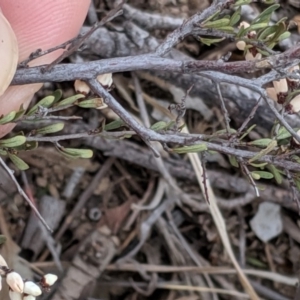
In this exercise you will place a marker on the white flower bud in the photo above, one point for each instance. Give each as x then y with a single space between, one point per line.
30 288
272 94
295 104
280 86
105 79
28 297
15 282
49 279
81 87
241 45
244 24
14 295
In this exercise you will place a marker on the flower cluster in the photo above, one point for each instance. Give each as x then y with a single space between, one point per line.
279 92
20 289
251 52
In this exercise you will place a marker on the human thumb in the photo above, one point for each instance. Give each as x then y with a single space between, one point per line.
37 24
9 53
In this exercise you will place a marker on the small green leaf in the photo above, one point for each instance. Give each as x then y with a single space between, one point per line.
114 125
190 149
228 29
45 102
283 133
257 26
276 173
3 152
262 174
267 32
255 176
209 42
20 113
57 95
70 100
13 142
264 152
50 128
247 132
92 103
233 161
212 16
261 165
235 17
224 131
18 162
159 126
261 142
75 153
242 2
284 36
8 118
266 14
217 23
256 262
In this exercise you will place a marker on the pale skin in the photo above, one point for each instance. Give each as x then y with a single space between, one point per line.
38 24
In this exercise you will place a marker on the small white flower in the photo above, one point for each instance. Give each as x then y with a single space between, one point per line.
49 279
272 93
105 79
28 297
241 45
31 288
280 86
15 282
81 87
295 104
14 295
244 24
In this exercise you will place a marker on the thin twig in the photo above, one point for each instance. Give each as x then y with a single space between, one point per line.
248 174
224 109
23 194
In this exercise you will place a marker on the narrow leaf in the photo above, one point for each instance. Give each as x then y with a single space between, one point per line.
261 142
190 149
57 95
276 173
75 153
13 142
97 103
45 102
50 128
159 126
18 162
263 174
263 152
233 161
114 125
8 118
70 100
